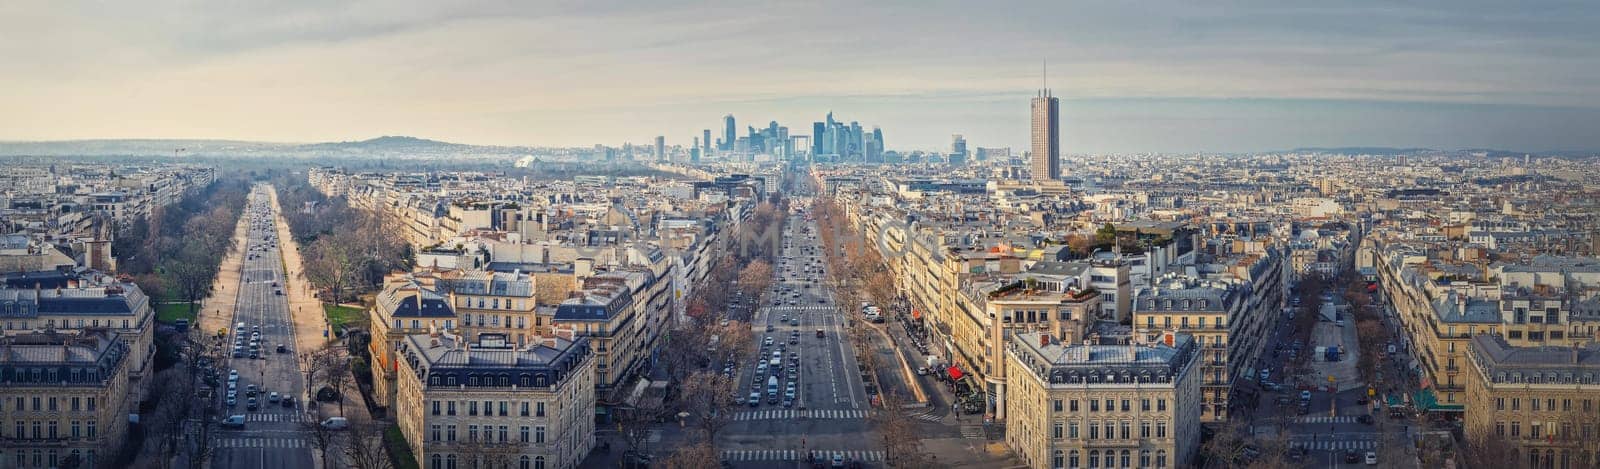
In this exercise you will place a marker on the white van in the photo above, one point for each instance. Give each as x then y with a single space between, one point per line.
772 386
336 423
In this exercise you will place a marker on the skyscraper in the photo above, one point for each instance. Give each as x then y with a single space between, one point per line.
958 146
1046 164
661 148
728 133
705 142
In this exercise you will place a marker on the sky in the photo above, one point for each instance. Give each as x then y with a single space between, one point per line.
1151 76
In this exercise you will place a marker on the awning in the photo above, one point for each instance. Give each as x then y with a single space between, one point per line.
1427 400
916 314
955 373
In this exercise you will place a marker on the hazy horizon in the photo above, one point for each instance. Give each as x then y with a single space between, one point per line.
1152 77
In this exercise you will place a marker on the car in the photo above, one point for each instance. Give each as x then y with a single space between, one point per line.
273 397
252 404
794 340
788 402
922 371
287 402
1305 395
233 376
250 390
1371 458
770 328
233 421
232 401
820 333
336 423
767 341
255 355
282 349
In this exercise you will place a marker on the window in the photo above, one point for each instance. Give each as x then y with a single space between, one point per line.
449 433
1500 429
89 429
472 406
1094 431
1161 458
1127 460
1144 458
1073 404
1161 404
435 407
1126 433
76 404
539 409
1094 458
524 409
1072 430
1125 406
524 434
1144 405
1058 430
503 405
1533 404
1094 405
1516 429
450 408
1057 405
503 433
472 433
1161 429
1144 429
1072 458
1499 403
538 434
1058 459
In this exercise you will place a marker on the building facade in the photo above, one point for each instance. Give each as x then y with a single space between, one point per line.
492 404
1543 401
64 397
1090 405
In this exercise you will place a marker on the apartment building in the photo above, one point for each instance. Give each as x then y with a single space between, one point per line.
408 304
1206 312
1542 401
1090 405
1049 301
64 397
83 302
623 313
494 404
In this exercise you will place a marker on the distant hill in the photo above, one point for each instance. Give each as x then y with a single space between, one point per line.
388 143
381 147
1485 152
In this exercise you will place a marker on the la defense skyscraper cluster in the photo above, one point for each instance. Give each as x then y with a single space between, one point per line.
1045 163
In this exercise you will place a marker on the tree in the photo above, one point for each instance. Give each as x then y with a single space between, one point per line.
634 425
902 442
695 456
1107 234
1371 338
707 396
322 439
364 447
755 279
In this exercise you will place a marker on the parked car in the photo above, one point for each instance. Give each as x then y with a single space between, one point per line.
336 423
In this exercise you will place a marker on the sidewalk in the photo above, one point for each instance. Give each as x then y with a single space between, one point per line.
216 311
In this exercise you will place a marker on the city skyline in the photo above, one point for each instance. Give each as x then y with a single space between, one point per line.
1131 79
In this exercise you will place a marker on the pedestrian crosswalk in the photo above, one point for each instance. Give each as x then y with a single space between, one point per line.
791 310
785 414
1326 419
1334 444
295 417
928 415
262 443
797 455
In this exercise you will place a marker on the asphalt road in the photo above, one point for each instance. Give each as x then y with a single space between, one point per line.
1330 427
828 414
273 436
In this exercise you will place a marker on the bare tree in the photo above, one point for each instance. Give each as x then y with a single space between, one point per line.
490 453
708 396
902 442
634 425
364 447
699 455
754 280
322 439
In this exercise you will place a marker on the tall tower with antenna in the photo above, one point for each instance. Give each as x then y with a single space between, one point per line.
1045 163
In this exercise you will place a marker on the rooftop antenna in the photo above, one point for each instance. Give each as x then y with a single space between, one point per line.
1044 78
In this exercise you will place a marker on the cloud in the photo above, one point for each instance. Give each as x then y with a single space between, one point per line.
577 73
